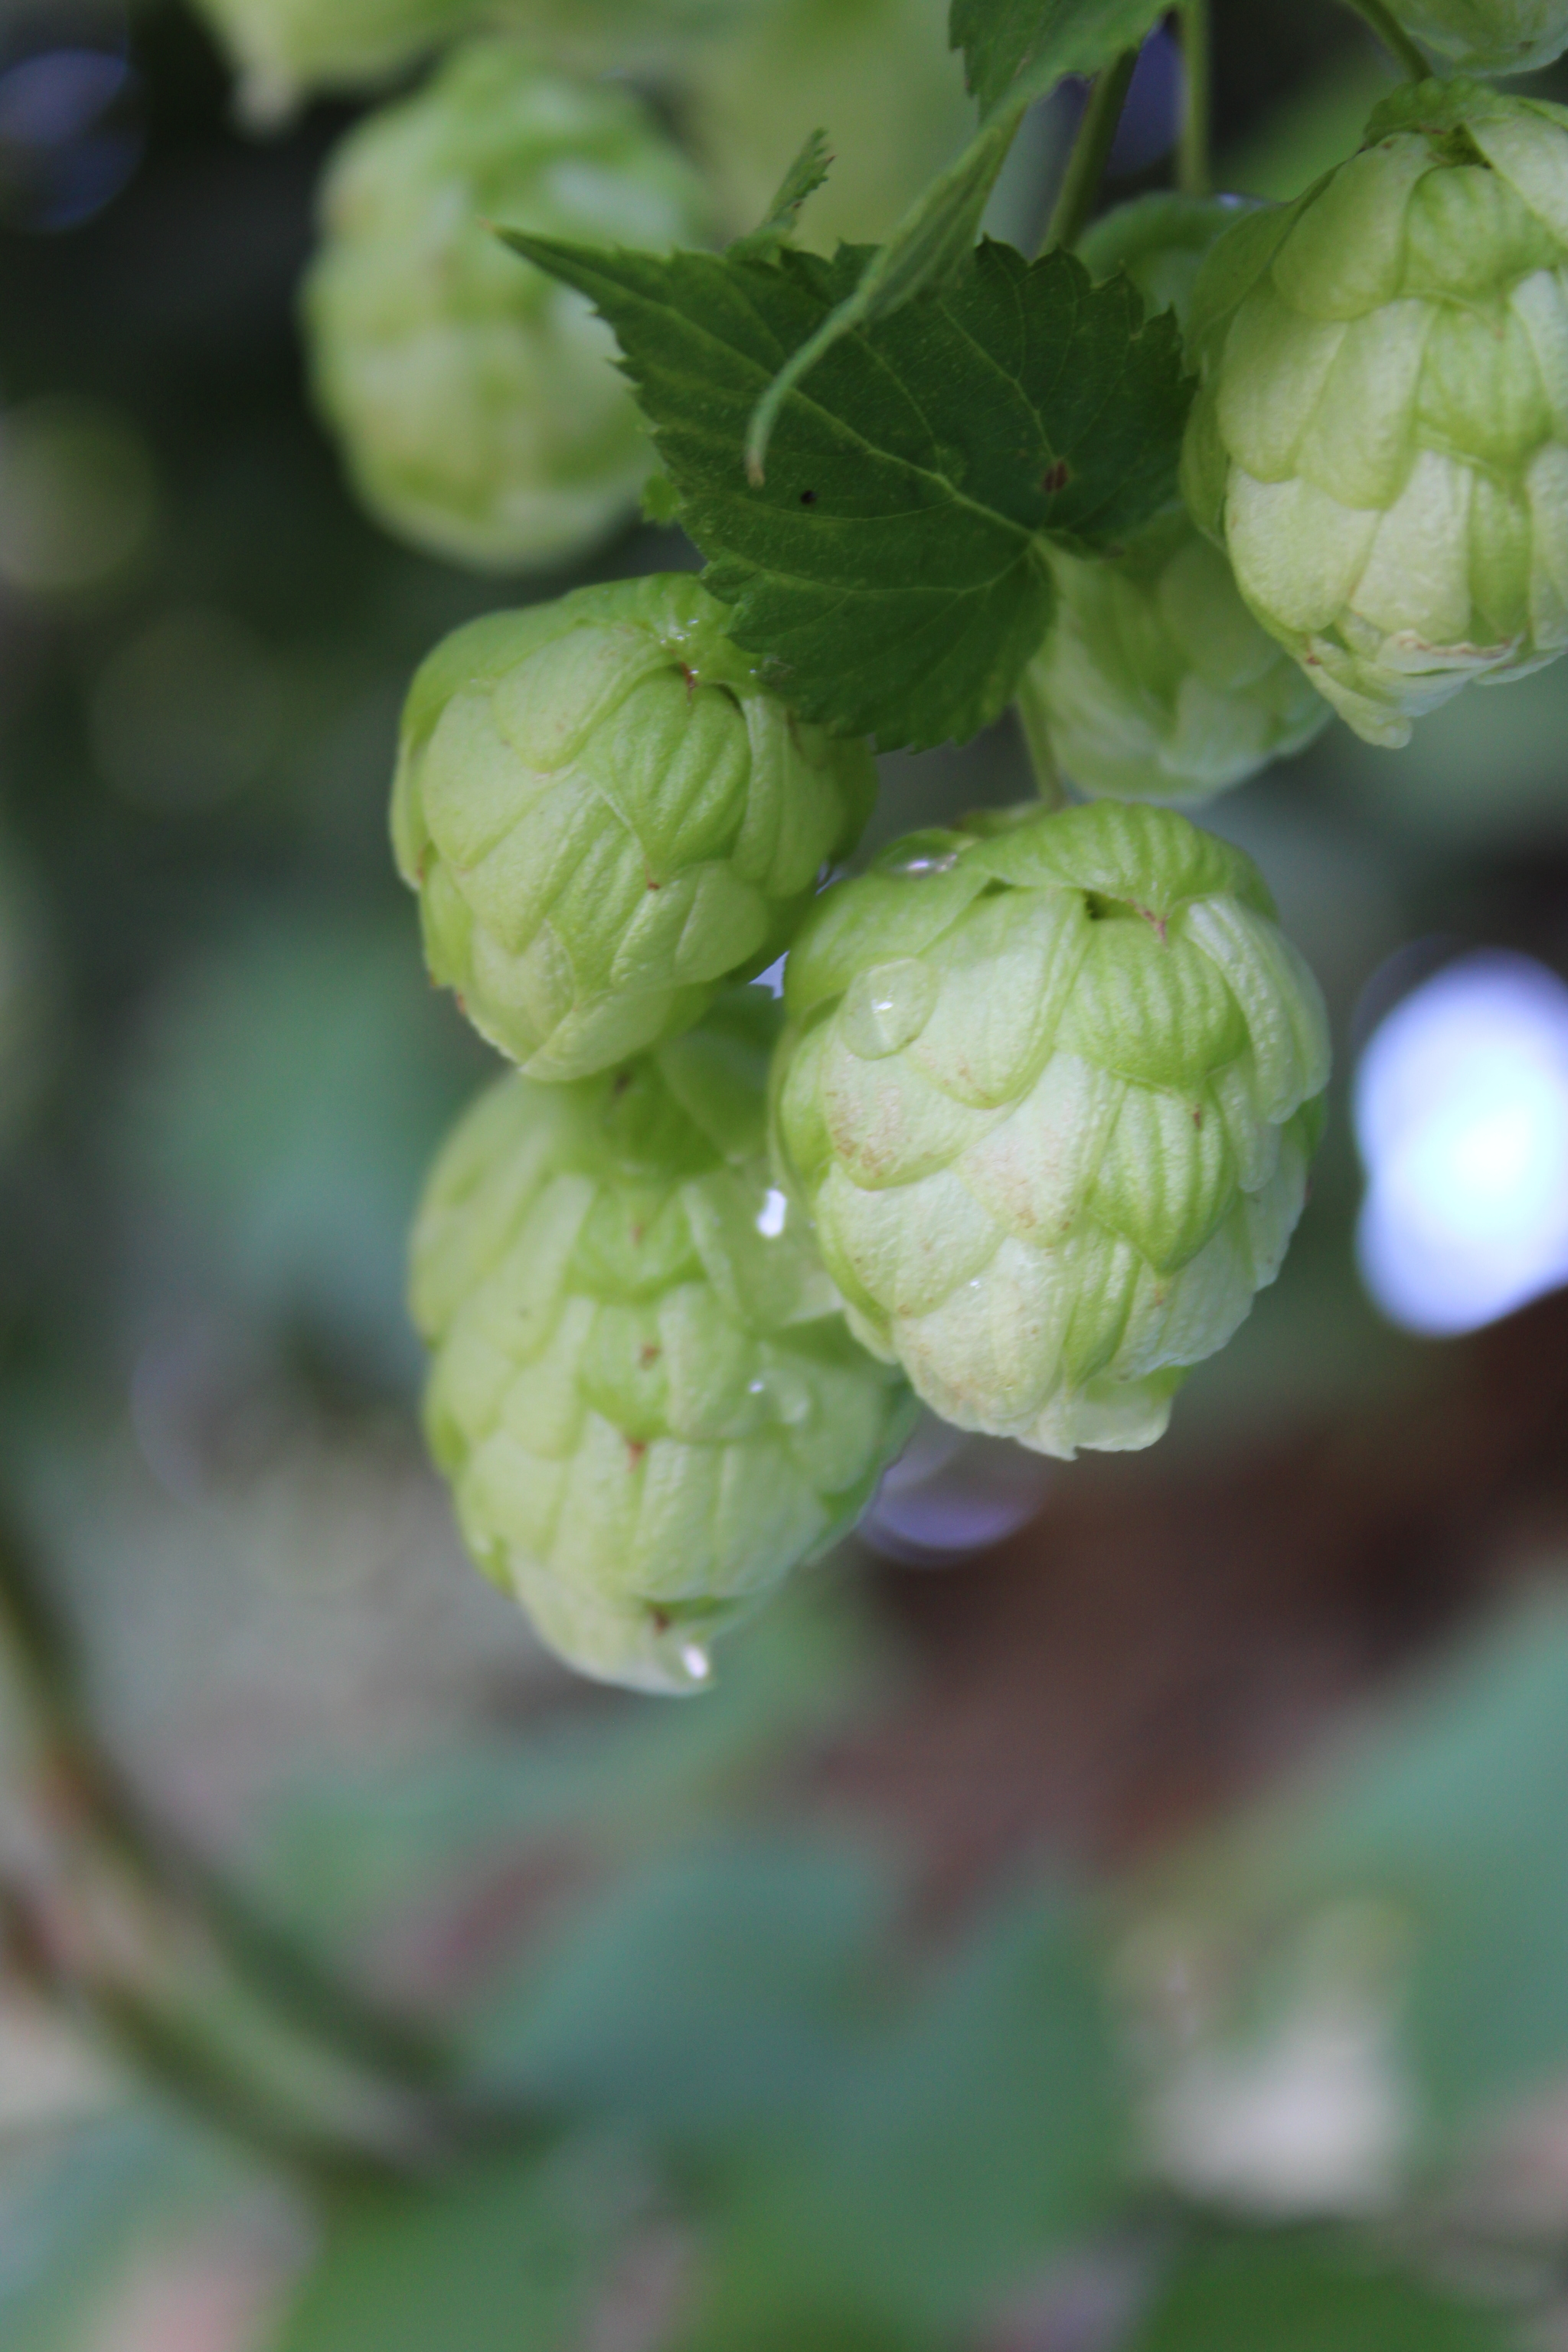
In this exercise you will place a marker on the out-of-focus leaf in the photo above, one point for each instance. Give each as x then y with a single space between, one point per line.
719 1986
505 2253
292 1087
969 2140
621 1776
1451 1813
1302 2292
74 2209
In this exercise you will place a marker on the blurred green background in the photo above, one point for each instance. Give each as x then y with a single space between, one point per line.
1123 1905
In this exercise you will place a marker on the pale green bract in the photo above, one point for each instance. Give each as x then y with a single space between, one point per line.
642 1392
605 815
1050 1091
1381 435
1154 682
1489 35
476 401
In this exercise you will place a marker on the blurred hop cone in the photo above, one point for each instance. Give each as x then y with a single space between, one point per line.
1489 35
476 403
1381 435
604 816
1154 682
1050 1091
644 1392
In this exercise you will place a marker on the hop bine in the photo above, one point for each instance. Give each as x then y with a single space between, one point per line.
1155 680
1050 1091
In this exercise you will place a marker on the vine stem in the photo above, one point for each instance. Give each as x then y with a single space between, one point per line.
1195 175
1091 150
1393 36
105 1912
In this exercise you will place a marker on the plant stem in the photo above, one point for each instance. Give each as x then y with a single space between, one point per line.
1092 148
1194 175
1394 36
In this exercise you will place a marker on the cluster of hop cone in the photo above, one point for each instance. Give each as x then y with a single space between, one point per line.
1033 1123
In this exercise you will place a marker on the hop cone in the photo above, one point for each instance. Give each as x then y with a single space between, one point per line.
476 401
1155 679
1050 1091
1489 35
1383 430
644 1393
604 816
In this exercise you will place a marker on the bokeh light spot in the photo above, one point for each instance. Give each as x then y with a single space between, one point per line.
1461 1113
77 495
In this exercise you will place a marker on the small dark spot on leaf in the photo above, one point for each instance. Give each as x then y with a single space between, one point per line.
649 1354
690 678
619 1084
808 497
1056 477
659 1619
636 1448
1198 1114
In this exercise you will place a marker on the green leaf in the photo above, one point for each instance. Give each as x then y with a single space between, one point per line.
891 570
972 2138
1450 1813
509 2249
714 1988
1306 2292
1015 51
804 177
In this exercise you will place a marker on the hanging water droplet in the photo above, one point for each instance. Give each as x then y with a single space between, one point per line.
697 1662
771 1216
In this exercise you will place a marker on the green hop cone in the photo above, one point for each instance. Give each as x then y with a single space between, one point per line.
1050 1091
606 816
1489 36
1155 680
643 1390
476 401
1381 435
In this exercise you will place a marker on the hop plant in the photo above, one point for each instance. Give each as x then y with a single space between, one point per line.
1050 1091
1489 35
605 815
475 400
1381 435
1155 680
643 1391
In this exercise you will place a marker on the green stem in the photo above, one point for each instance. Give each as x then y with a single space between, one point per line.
1194 175
1092 149
1394 36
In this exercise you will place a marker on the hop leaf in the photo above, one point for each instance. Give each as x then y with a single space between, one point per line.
1050 1092
478 408
1383 432
642 1392
605 815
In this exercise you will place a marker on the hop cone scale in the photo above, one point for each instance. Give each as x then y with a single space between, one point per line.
644 1392
1381 435
476 401
1050 1091
605 815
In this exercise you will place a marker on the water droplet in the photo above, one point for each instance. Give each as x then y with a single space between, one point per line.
771 1216
697 1662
